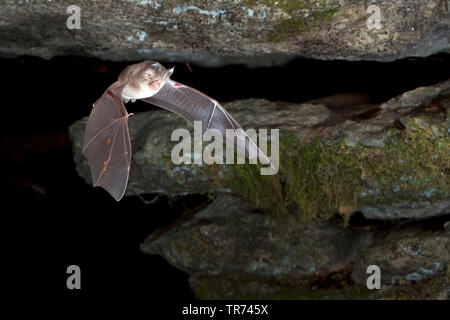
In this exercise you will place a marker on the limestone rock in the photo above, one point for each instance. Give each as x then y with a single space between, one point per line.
416 256
416 193
233 251
213 33
231 230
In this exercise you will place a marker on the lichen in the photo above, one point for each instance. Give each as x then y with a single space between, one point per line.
320 179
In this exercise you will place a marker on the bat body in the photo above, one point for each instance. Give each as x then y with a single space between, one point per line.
106 141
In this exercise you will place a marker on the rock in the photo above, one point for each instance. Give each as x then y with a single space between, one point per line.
342 101
230 236
388 163
413 98
213 33
233 251
413 257
152 170
411 210
246 287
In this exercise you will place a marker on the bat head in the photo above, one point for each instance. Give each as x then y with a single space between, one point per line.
156 71
155 74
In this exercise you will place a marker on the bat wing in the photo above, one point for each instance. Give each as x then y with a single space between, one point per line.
194 105
107 142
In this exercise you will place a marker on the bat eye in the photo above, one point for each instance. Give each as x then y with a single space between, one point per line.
148 74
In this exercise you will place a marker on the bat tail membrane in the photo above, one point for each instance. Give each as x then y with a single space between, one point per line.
107 144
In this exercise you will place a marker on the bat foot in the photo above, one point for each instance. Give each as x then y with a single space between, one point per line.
133 100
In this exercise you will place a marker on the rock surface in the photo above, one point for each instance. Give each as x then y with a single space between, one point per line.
212 33
385 190
230 225
150 134
412 256
233 251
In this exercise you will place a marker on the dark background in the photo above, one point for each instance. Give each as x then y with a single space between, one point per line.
51 218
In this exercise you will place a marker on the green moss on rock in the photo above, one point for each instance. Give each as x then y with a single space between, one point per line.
320 179
299 24
304 15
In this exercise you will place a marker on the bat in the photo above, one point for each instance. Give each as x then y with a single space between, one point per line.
107 145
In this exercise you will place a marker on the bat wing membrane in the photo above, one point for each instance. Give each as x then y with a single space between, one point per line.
107 143
193 105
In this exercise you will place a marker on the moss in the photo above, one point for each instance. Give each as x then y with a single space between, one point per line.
320 12
417 162
297 24
319 179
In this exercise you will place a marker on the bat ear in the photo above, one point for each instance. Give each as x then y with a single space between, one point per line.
170 71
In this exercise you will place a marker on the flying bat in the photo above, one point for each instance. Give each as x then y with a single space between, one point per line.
107 145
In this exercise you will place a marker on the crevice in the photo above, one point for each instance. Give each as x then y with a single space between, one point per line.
358 222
